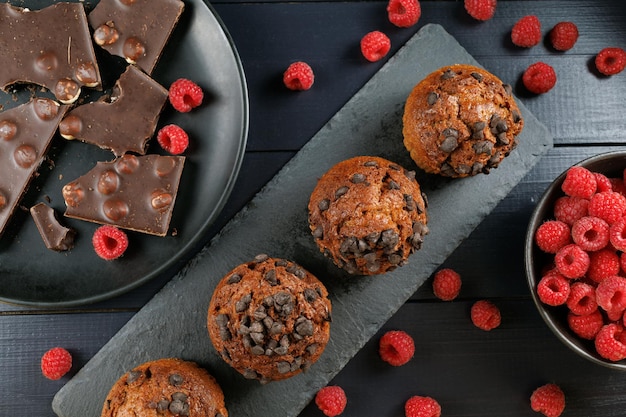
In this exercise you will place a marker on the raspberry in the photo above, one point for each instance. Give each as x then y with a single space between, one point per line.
582 299
608 344
418 406
173 139
526 32
563 36
446 284
611 294
617 234
590 233
603 183
185 95
569 209
553 289
109 242
298 76
579 182
552 235
548 400
586 326
607 205
404 13
603 264
611 61
375 45
572 261
55 363
539 78
331 400
485 315
396 347
481 9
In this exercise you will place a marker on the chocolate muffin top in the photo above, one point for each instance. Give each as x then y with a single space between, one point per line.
368 215
460 121
165 387
269 319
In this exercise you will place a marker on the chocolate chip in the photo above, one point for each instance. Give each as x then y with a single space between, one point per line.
372 263
305 328
395 167
502 138
296 270
508 89
517 116
357 178
432 98
324 204
281 262
395 259
283 367
163 405
256 327
449 144
282 298
258 338
259 313
371 164
483 147
133 376
261 258
409 203
270 276
243 303
479 126
389 238
311 349
277 328
234 278
281 350
393 185
310 295
341 191
449 131
175 379
410 174
297 362
179 396
463 169
447 170
250 374
477 168
477 76
447 74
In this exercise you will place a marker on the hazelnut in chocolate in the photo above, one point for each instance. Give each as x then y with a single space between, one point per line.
25 135
136 30
50 47
131 192
123 122
55 236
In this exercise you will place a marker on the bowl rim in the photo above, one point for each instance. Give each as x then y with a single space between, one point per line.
545 202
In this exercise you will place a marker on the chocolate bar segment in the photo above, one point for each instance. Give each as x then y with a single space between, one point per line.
132 192
50 47
123 122
55 236
136 30
25 135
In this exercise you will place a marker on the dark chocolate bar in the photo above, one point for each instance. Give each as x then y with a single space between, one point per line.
123 122
25 135
132 192
50 47
55 236
136 30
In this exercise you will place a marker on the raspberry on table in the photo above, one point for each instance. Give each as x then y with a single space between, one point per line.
404 13
548 400
298 76
396 347
480 9
611 294
563 36
375 45
586 326
331 400
109 242
590 233
582 299
617 234
572 261
539 78
608 342
552 235
607 205
485 315
421 406
446 284
173 139
611 61
553 289
579 182
603 264
55 363
526 31
185 95
569 209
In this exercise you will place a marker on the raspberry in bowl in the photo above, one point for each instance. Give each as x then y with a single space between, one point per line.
575 264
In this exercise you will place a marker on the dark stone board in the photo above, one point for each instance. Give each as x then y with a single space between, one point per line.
173 323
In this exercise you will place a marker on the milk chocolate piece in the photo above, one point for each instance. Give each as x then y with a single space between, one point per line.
50 47
55 236
136 30
131 192
123 122
25 135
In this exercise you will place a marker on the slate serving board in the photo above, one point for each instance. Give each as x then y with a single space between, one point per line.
173 323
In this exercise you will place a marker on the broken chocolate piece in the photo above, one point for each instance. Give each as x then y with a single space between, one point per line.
55 236
123 122
50 47
25 135
131 192
136 30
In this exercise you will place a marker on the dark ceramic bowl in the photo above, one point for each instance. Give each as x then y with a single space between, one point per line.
611 164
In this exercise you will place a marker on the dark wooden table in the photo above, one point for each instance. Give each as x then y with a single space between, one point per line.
470 372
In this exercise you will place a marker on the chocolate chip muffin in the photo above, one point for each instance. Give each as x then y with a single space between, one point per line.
269 319
460 121
368 215
165 388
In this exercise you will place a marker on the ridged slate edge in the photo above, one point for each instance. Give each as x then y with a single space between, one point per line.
173 323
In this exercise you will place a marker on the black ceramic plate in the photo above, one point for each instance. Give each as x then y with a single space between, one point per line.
200 49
